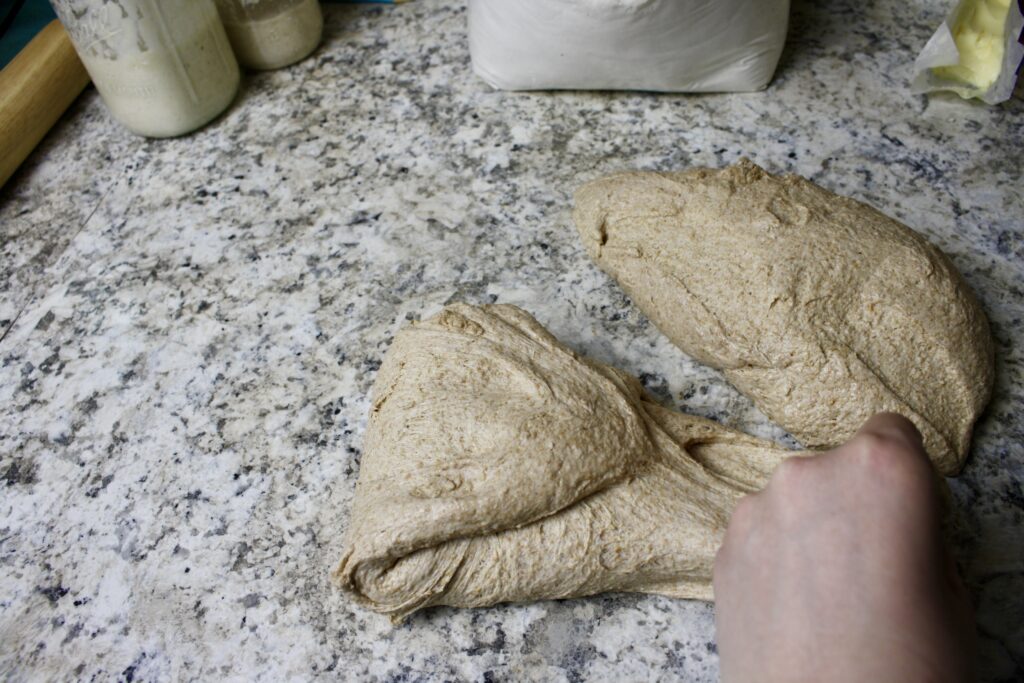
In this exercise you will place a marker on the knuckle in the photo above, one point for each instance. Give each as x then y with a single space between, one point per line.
890 460
739 524
743 512
870 447
878 450
744 516
721 563
723 575
737 534
789 472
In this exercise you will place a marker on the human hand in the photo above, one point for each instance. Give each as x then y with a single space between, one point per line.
837 570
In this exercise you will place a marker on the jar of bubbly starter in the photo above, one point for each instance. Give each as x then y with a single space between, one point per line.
163 67
267 34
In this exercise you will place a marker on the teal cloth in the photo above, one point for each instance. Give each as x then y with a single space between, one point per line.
35 14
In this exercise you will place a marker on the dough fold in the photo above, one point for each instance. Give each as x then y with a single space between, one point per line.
819 308
500 466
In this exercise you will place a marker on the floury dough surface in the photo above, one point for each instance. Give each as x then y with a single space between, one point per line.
501 466
819 308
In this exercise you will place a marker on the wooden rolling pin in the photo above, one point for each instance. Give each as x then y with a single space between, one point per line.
35 89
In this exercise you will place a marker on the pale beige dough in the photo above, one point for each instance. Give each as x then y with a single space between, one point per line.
819 308
500 466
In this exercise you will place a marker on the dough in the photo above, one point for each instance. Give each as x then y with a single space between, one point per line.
500 466
819 308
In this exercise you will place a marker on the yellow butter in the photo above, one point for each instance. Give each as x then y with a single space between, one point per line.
978 32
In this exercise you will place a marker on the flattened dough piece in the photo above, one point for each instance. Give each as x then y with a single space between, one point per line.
819 308
500 466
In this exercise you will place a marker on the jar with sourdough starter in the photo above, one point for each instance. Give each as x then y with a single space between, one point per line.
268 34
163 68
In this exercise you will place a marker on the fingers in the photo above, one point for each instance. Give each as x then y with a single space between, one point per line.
743 521
895 427
885 460
889 435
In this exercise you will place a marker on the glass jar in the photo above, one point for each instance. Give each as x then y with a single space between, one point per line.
268 34
162 68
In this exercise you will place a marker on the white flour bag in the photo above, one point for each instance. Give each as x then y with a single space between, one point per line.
664 45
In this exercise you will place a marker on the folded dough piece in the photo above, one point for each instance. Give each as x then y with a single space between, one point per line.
819 308
500 466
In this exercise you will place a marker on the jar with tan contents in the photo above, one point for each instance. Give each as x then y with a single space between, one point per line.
162 68
268 34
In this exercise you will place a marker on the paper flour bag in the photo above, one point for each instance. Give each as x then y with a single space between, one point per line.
664 45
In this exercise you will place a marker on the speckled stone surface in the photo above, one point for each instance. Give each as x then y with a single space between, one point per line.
188 330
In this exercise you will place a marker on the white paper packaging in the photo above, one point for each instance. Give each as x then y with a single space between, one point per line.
942 50
663 45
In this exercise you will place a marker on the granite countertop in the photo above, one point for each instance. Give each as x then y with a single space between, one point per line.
189 328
